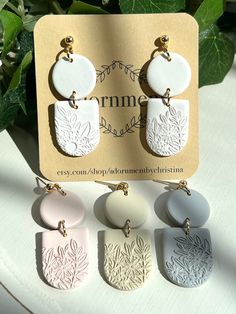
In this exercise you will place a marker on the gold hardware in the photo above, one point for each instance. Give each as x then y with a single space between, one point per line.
167 95
62 227
164 45
187 226
51 187
120 186
69 40
182 185
73 100
127 228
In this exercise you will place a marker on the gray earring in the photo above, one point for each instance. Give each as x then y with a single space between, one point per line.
187 250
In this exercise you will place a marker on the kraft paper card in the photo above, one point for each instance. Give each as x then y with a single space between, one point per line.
120 47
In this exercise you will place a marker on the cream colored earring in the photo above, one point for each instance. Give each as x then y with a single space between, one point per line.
168 74
127 250
76 119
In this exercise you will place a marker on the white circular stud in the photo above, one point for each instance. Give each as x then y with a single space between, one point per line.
180 206
174 74
78 75
56 207
119 208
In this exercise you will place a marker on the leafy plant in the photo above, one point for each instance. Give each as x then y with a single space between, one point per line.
18 17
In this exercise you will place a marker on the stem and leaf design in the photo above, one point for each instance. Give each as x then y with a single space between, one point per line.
128 266
191 263
167 133
134 74
65 268
135 122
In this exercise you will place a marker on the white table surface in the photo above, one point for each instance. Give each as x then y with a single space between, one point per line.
22 288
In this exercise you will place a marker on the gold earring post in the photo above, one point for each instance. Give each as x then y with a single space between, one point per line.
69 40
120 186
164 42
51 187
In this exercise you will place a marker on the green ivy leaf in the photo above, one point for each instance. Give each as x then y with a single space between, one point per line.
29 21
3 3
79 7
8 113
216 54
12 25
151 6
16 90
208 12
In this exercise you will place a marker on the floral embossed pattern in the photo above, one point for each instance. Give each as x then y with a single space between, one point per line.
65 267
191 263
127 267
75 137
167 134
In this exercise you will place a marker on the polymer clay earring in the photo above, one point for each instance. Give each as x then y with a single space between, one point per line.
187 250
168 74
127 251
64 250
76 119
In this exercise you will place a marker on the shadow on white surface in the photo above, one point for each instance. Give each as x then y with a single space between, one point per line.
160 208
38 256
28 147
35 211
158 234
99 209
100 239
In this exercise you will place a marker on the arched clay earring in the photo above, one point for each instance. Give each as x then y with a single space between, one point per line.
168 74
76 120
127 251
65 249
187 250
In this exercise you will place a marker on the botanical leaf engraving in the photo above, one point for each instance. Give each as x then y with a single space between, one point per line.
65 268
135 122
127 267
167 134
192 262
134 74
75 137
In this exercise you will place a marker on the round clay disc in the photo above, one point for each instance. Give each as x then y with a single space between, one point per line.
180 206
119 208
174 74
56 207
78 76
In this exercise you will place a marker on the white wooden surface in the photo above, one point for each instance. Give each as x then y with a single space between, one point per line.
20 226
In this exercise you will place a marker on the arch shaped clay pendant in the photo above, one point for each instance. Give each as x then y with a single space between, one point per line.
77 122
77 130
167 127
65 259
127 259
188 260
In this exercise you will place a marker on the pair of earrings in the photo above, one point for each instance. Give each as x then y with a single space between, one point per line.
187 252
77 120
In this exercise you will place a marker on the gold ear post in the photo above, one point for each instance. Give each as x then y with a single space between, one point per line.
69 40
182 185
120 186
164 42
51 187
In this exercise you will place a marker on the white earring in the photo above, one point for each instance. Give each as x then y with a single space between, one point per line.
168 74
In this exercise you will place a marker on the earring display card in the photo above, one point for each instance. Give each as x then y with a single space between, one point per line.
120 47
